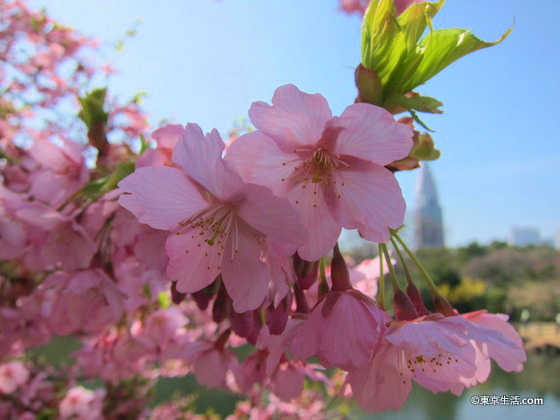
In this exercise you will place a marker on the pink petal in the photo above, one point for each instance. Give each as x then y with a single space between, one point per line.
195 269
323 229
259 160
48 154
210 368
383 383
53 188
151 157
160 196
84 280
246 278
370 200
201 158
371 133
306 339
345 338
509 359
168 135
483 367
295 118
365 275
73 152
12 239
429 335
354 330
271 215
287 382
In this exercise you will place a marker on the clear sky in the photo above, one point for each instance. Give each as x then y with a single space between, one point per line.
205 61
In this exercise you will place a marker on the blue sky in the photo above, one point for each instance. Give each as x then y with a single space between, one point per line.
205 61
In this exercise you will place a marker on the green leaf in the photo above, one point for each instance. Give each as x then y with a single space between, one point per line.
391 46
163 300
122 170
415 18
144 144
93 188
439 49
92 108
139 96
418 103
424 148
388 41
383 41
97 188
415 117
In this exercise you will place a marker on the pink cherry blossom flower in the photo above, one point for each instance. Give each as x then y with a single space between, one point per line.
364 276
62 172
85 301
113 356
381 384
141 241
219 224
162 327
277 345
252 370
342 330
287 381
12 376
13 237
166 138
81 404
351 6
508 358
55 239
211 363
436 352
330 168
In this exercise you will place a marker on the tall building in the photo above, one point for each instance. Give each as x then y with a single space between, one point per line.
427 215
524 236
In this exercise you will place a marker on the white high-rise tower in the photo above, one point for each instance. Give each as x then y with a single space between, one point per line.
427 215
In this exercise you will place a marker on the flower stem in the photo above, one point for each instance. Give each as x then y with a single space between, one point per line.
323 285
381 292
418 264
403 262
301 301
392 274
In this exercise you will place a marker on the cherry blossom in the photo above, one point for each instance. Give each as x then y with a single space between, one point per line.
330 168
219 224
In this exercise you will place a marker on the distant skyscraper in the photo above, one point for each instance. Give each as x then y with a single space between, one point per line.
427 215
524 236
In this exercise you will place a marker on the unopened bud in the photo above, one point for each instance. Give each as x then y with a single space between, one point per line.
414 294
442 305
403 307
370 89
339 272
277 318
176 296
202 299
219 309
246 325
306 281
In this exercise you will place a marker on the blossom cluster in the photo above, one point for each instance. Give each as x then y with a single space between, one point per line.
186 253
